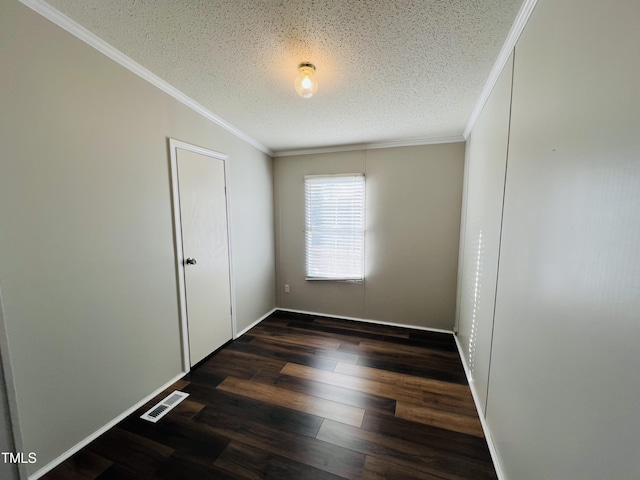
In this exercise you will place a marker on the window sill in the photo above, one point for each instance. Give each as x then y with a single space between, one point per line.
345 280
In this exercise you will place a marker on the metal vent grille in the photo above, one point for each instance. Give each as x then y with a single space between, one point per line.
159 410
175 397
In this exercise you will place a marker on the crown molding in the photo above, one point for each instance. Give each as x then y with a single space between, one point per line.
509 44
77 30
369 146
64 22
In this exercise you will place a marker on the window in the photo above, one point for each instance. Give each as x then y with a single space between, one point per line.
334 217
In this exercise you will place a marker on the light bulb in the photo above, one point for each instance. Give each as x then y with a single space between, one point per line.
306 84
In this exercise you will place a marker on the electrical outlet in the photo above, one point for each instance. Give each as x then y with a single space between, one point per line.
286 289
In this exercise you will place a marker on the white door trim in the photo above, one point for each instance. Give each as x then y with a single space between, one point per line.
177 235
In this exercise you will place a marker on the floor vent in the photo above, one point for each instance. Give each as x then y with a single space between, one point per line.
161 409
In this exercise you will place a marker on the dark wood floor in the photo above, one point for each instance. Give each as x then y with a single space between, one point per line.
302 397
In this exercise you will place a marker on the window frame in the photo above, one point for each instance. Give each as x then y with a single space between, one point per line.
359 278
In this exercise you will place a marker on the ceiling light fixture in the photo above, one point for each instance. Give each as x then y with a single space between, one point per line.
306 83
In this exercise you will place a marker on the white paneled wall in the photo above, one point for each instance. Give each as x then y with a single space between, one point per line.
484 184
562 392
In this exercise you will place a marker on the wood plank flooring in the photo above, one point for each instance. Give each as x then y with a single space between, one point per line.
303 397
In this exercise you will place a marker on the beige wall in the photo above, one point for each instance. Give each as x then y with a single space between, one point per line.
413 198
562 391
86 246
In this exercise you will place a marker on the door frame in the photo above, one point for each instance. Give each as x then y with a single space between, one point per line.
177 237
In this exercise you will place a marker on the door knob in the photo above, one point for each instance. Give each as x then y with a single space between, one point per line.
191 261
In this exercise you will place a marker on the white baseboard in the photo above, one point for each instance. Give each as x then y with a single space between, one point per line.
485 426
54 463
255 323
366 320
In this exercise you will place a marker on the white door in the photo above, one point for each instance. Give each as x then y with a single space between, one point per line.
205 250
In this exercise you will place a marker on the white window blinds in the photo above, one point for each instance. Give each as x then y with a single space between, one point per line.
334 217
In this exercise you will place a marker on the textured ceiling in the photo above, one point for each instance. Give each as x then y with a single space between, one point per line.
388 71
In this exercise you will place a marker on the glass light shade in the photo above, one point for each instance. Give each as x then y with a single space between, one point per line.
306 83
